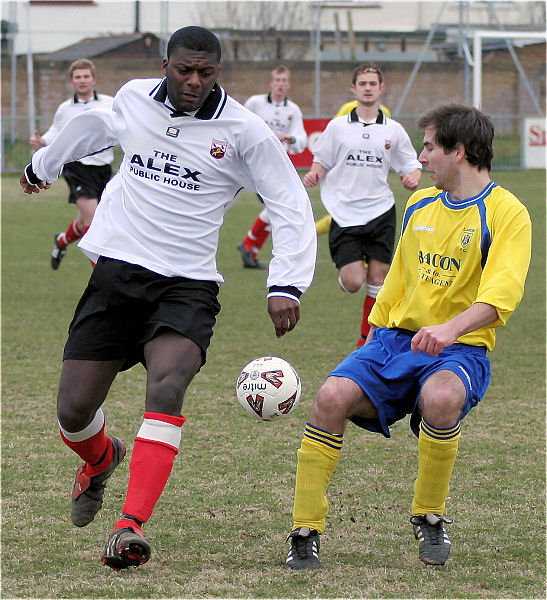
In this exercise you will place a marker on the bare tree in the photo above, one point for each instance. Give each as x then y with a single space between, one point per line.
259 30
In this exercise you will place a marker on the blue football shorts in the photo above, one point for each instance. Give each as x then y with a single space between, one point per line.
391 376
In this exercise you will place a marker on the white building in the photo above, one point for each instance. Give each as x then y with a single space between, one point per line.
46 25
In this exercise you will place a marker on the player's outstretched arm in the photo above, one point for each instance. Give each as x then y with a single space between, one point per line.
284 313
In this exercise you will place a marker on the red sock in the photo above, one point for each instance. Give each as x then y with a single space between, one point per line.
156 445
257 235
72 234
123 522
96 451
365 325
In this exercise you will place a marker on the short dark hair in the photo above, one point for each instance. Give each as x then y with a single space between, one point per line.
459 124
194 38
367 68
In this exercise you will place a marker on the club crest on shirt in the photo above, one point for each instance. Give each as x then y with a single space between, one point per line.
387 144
218 148
466 238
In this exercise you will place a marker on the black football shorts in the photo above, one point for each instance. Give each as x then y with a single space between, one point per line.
375 240
86 180
125 305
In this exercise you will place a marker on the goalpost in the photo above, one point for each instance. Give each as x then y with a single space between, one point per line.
478 36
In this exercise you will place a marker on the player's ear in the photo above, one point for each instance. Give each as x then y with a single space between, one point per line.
460 151
164 63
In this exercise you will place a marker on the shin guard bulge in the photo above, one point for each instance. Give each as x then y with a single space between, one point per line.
437 450
156 445
317 458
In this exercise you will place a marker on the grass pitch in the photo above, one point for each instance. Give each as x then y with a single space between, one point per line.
219 529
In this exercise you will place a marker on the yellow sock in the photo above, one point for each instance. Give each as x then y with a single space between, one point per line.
437 450
317 458
323 225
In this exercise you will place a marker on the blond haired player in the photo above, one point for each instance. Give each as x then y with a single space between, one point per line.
87 176
284 118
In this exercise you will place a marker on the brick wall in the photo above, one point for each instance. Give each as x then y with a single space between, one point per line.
503 90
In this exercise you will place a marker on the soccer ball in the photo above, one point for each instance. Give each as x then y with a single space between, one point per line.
268 388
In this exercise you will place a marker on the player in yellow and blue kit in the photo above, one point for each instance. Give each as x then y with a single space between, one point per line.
458 273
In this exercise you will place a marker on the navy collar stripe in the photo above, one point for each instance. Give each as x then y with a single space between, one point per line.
75 99
210 109
353 118
269 99
447 200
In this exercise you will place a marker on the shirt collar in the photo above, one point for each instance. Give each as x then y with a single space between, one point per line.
380 119
269 99
210 109
76 100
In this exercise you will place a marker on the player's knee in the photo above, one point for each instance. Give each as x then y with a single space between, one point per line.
329 402
375 280
443 410
351 285
165 393
442 398
72 416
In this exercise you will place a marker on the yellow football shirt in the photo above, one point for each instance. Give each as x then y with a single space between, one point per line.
453 254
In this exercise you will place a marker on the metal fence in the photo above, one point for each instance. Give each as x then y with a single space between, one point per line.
16 151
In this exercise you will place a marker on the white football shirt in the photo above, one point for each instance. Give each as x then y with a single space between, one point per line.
72 107
284 117
178 177
358 157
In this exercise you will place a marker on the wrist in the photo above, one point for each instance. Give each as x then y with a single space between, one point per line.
31 176
287 291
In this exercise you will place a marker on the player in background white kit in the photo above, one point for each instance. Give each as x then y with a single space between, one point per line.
284 118
352 160
87 177
189 150
322 226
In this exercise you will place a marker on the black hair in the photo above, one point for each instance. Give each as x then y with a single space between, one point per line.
194 38
459 124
